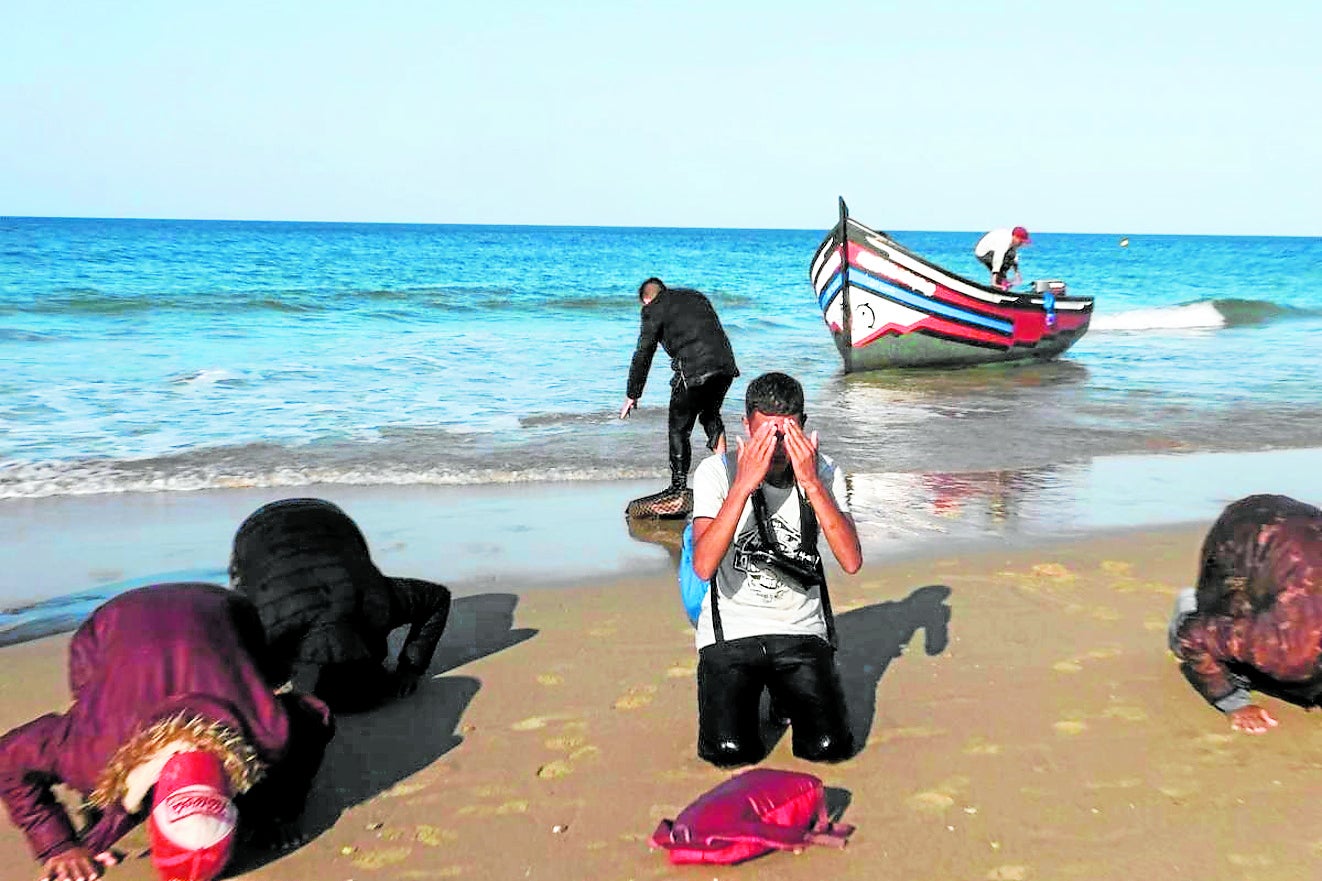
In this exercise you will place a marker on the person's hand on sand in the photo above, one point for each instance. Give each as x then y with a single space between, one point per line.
1252 719
78 864
274 836
754 459
629 404
404 681
802 452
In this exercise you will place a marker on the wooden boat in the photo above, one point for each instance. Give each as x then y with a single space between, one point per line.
888 307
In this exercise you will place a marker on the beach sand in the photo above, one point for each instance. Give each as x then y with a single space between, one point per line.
1044 732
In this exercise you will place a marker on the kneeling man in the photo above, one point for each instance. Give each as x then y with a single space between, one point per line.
766 622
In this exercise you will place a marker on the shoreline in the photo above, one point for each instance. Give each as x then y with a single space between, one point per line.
61 556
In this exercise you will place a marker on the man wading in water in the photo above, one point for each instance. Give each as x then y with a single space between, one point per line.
685 324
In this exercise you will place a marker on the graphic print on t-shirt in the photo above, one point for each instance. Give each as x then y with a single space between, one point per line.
763 585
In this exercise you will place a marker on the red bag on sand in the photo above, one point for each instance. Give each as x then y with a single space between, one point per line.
748 815
192 819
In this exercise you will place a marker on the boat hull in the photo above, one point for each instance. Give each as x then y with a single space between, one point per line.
886 307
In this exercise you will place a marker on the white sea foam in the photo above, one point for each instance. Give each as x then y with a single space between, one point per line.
1191 316
23 481
205 376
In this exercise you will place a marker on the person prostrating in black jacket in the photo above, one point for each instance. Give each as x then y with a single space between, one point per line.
326 607
685 324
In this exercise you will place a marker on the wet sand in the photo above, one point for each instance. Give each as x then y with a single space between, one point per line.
486 537
1041 732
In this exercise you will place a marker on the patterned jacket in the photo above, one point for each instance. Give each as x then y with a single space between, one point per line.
1258 622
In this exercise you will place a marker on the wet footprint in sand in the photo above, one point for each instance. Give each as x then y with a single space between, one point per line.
1054 571
939 798
533 723
635 698
682 670
1008 873
514 806
979 747
913 732
379 858
1125 713
433 836
1075 664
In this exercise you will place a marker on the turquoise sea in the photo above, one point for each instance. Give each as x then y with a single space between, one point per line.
151 358
156 356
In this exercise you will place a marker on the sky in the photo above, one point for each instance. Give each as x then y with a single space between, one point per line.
1120 117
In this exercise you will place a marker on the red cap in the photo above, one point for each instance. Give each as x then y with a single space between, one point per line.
1020 233
192 820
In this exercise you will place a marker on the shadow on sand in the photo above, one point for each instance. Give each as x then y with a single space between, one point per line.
869 639
873 636
373 751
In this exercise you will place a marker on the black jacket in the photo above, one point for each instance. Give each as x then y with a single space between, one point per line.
305 565
685 324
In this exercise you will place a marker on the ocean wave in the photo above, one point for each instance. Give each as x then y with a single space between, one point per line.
1201 315
43 480
552 420
461 298
10 334
89 301
207 376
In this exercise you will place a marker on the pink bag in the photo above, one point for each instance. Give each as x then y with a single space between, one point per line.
756 812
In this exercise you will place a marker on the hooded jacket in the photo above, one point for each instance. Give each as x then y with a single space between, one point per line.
305 565
685 324
1258 621
153 666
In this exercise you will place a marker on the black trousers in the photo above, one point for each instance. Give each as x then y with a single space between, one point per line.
689 404
800 673
1011 262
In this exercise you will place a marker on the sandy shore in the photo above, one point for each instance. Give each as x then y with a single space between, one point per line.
1043 733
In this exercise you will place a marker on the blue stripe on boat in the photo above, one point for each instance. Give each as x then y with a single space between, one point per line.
891 291
828 293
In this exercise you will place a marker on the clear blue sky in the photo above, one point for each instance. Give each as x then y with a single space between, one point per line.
1125 117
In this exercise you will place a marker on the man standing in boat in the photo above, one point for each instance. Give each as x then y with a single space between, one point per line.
999 252
685 324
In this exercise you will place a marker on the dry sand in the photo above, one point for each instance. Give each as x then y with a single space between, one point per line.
1044 733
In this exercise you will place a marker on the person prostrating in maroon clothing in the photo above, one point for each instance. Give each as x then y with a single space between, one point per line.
1254 620
153 673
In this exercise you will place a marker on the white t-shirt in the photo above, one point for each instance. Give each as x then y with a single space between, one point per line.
756 601
997 243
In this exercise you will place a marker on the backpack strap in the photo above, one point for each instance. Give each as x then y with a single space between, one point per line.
731 461
827 614
714 592
808 534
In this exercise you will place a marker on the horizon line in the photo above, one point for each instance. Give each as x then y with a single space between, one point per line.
137 219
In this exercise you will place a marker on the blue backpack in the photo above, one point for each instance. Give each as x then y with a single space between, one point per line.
691 588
